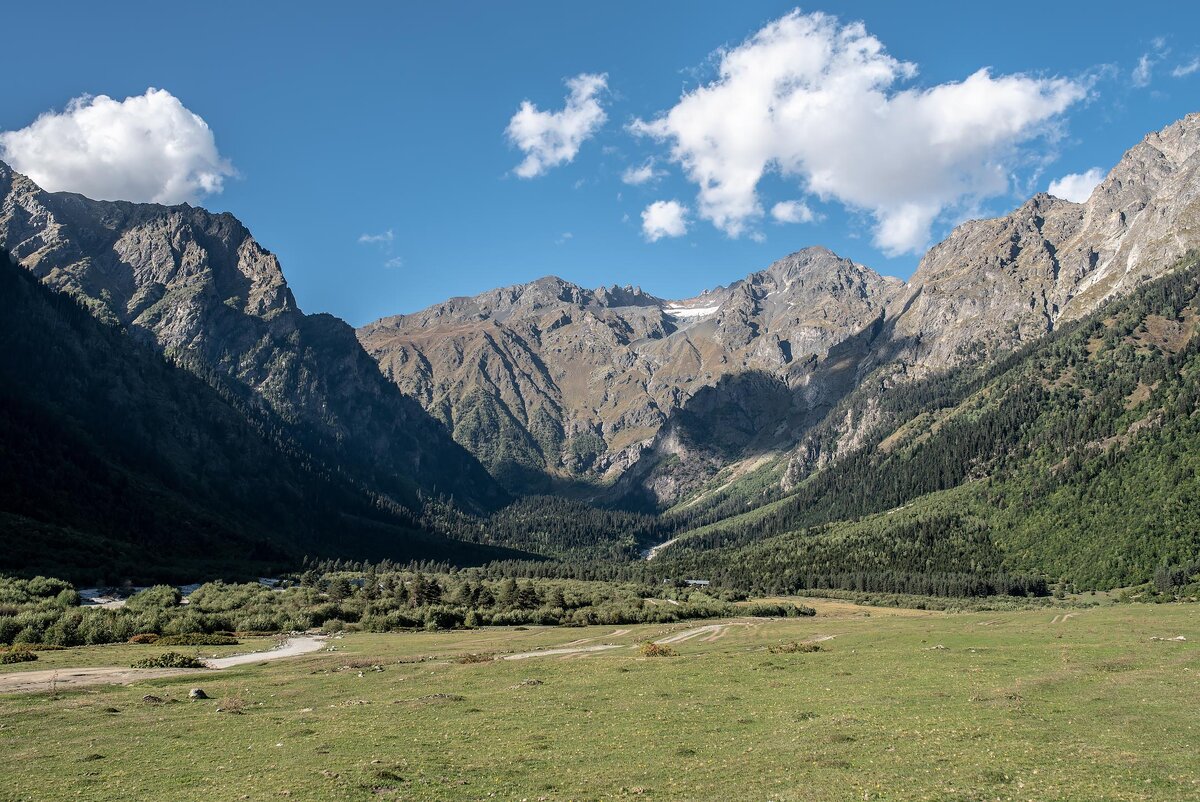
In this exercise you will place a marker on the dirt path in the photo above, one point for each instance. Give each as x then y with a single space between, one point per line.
614 634
292 647
714 631
565 650
70 678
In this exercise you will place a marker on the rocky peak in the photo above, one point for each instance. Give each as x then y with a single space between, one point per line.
196 284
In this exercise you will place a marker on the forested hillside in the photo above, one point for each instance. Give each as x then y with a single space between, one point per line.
1074 458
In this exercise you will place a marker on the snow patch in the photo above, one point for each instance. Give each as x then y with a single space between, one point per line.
691 312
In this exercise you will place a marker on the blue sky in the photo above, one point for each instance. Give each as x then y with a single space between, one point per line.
366 119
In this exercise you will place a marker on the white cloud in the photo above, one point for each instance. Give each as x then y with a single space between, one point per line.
1077 187
792 212
817 100
635 176
394 262
1143 73
664 219
1184 70
147 148
377 239
551 138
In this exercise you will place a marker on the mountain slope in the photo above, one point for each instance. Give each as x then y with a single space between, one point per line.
196 284
1076 457
668 401
551 378
116 464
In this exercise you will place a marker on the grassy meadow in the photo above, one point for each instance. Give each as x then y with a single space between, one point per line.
898 705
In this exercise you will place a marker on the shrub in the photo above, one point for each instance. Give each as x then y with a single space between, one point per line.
475 658
795 647
169 660
144 637
657 650
198 639
158 597
780 610
13 656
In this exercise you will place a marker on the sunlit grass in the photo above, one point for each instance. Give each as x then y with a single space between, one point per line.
896 706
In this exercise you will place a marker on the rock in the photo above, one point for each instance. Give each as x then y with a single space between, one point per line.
583 381
197 693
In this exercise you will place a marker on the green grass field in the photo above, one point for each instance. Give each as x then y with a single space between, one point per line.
899 705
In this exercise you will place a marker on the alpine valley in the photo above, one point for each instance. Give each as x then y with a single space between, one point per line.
1022 411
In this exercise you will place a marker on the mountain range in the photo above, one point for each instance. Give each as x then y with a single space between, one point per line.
750 412
616 394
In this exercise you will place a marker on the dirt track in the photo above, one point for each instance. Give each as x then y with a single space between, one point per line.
70 678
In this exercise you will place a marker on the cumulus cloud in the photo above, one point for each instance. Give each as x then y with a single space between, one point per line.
792 212
551 138
1077 187
818 101
664 219
635 176
1183 70
147 148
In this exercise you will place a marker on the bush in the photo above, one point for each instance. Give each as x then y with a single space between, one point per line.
657 650
796 647
777 610
159 597
14 656
144 638
198 639
169 660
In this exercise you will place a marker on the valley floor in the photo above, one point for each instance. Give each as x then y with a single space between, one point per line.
898 705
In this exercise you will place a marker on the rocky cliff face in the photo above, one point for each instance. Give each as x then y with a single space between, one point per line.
200 288
550 377
994 283
658 396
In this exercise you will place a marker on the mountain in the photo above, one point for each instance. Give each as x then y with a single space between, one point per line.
1075 457
118 464
621 396
549 381
198 287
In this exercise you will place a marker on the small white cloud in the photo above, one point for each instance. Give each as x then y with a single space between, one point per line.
664 219
636 176
1143 73
378 239
1184 70
394 262
147 148
824 103
551 138
564 238
792 212
1077 187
